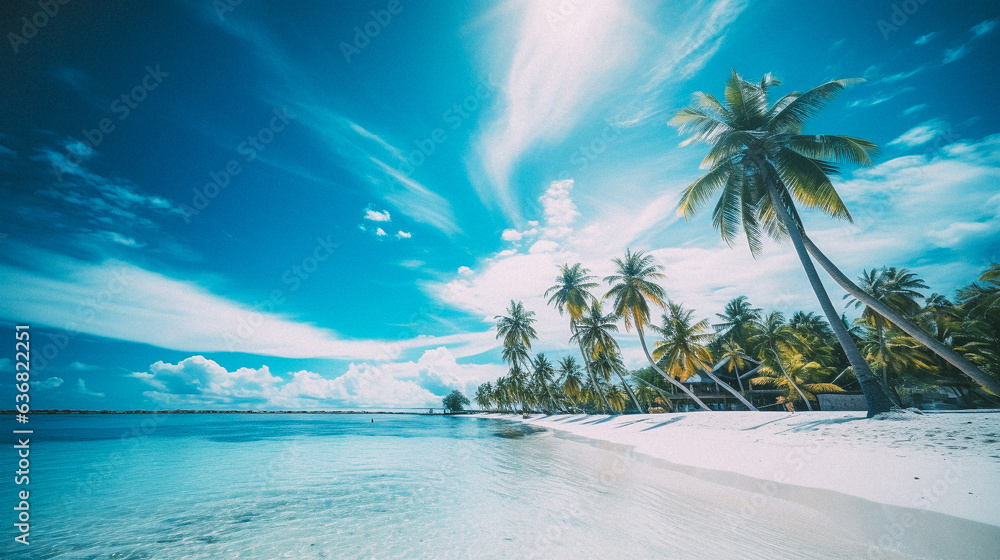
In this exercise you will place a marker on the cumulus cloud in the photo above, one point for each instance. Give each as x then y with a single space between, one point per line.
403 234
380 232
376 215
50 383
201 382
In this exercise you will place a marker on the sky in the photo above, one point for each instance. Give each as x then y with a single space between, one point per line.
238 204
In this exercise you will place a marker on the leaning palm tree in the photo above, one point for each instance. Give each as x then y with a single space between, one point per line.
763 165
571 293
631 287
906 325
593 331
896 288
684 348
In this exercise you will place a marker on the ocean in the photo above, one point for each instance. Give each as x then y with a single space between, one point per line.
303 486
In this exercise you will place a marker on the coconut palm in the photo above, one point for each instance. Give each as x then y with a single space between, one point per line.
484 395
631 287
569 379
764 165
571 293
736 320
772 338
798 378
517 332
911 328
543 378
684 347
897 289
593 332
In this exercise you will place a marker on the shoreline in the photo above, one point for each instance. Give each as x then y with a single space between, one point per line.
942 463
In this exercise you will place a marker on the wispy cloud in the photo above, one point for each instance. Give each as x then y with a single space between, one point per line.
81 389
924 39
119 300
977 31
920 134
562 71
916 108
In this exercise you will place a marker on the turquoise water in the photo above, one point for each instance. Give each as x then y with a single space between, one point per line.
340 486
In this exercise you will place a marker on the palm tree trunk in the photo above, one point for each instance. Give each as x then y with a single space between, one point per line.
671 380
791 381
884 360
629 391
907 326
593 379
875 396
726 386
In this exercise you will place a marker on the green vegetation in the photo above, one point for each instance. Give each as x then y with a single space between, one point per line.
455 401
762 168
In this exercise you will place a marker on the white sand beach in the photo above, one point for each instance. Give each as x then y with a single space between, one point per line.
947 463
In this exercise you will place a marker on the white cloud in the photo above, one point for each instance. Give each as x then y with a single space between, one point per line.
511 235
380 232
914 109
80 366
984 27
377 215
924 39
403 234
951 55
570 59
465 271
201 382
50 383
81 389
920 134
118 300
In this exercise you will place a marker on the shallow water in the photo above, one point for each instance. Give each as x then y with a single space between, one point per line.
340 486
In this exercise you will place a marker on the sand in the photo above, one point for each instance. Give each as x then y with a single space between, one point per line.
944 463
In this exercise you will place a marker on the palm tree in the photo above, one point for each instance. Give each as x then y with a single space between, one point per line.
517 332
684 347
571 294
543 378
763 165
801 388
569 379
484 395
909 327
737 319
735 359
772 338
593 331
896 288
631 287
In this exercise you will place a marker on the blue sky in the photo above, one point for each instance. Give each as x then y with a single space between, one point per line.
320 206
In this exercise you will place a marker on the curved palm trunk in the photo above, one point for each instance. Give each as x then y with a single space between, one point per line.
629 391
726 386
671 380
593 379
889 389
907 326
875 395
552 400
790 380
